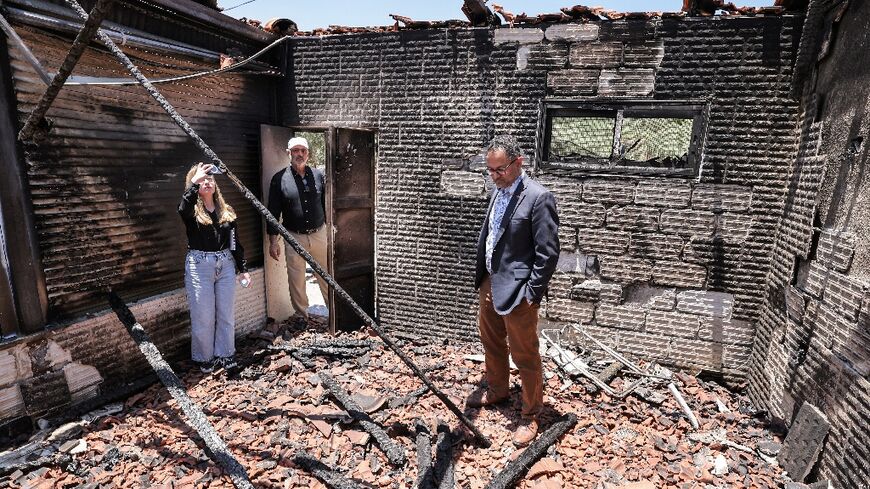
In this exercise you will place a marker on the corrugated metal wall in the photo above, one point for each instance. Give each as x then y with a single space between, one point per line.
106 181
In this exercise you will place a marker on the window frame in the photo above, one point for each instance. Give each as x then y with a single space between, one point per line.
619 109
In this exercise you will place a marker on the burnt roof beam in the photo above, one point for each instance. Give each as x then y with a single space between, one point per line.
478 13
84 37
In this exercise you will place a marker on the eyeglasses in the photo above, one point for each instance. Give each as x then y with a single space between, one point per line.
502 170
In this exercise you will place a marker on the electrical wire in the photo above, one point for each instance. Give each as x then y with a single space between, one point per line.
130 81
237 6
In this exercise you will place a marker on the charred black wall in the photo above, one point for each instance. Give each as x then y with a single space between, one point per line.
676 266
104 185
813 339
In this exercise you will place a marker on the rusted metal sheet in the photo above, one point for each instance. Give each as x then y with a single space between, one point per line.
353 197
106 181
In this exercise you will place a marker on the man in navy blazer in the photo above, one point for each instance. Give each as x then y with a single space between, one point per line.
516 255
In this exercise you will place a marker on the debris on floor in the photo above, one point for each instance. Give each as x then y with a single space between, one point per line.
278 416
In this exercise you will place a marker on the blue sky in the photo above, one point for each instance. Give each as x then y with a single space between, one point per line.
310 14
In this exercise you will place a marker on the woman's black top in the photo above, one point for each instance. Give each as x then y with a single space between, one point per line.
211 237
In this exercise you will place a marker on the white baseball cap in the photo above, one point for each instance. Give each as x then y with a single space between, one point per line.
297 141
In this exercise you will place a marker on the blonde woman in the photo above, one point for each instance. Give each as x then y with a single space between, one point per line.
214 257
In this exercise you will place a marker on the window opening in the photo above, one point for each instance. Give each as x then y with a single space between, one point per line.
648 137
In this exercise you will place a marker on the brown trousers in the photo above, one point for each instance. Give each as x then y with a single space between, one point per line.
516 335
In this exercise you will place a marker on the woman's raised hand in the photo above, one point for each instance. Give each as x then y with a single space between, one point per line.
202 172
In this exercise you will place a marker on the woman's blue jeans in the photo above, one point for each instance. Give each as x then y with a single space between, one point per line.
210 280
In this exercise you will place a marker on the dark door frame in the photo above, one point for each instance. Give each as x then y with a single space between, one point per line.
329 132
26 275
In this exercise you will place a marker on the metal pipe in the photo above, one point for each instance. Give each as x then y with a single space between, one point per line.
685 407
28 54
173 114
84 37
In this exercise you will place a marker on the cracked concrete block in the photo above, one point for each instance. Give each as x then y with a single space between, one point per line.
625 269
567 238
560 285
595 54
15 365
459 182
595 291
729 331
803 444
651 297
572 32
678 274
570 311
835 289
83 381
688 222
580 214
633 218
707 303
626 82
11 402
716 197
647 54
733 228
836 249
658 193
620 316
542 56
795 303
656 246
673 324
573 81
522 35
595 241
577 263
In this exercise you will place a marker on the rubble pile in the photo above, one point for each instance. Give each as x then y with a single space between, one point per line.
279 415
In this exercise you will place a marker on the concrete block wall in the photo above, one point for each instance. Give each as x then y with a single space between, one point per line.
813 336
437 95
45 374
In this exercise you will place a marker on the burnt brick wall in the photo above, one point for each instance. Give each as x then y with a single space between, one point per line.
674 267
813 336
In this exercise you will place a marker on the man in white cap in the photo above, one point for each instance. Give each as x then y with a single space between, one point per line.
298 193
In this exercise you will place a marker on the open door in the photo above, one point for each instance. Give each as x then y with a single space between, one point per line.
351 208
273 154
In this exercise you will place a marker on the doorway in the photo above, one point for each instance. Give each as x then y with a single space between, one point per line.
347 157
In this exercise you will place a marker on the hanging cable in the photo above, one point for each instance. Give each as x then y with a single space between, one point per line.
131 81
237 6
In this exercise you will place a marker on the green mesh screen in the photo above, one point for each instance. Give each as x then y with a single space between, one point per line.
589 137
656 138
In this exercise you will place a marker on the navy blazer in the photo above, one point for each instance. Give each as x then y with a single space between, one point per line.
526 247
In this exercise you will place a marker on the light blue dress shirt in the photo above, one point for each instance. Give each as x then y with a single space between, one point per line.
502 198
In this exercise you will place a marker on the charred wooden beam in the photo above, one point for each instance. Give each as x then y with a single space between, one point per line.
425 477
393 451
339 290
324 473
84 37
478 13
444 463
196 419
516 469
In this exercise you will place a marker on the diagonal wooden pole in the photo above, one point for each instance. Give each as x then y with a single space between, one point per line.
217 449
84 37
